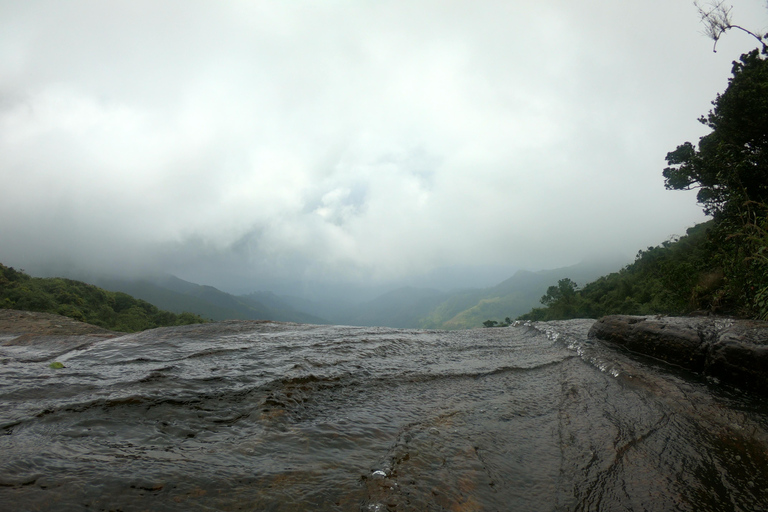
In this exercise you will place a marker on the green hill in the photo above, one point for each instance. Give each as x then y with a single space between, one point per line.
426 308
720 266
174 294
675 278
518 294
84 302
441 315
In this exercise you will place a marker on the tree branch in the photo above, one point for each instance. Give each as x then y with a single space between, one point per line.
717 21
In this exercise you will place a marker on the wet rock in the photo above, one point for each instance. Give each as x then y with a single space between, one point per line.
672 342
21 327
734 351
36 337
740 356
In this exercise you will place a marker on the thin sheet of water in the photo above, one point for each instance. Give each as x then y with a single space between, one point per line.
270 416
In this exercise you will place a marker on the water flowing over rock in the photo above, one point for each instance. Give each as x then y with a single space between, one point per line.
734 351
247 415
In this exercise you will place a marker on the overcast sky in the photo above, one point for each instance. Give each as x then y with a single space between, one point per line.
231 142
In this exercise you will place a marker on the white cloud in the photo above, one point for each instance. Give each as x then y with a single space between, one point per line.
343 139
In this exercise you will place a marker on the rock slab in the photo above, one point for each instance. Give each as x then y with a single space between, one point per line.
733 351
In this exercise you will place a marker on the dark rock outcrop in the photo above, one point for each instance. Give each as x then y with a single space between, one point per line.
734 351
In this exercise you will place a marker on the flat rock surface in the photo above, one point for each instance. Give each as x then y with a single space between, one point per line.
734 351
55 332
29 322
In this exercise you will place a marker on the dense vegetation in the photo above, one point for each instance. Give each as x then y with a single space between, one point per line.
720 266
84 302
674 278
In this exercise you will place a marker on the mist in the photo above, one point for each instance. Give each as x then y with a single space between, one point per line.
311 146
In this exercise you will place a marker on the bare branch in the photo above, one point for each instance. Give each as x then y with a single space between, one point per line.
717 20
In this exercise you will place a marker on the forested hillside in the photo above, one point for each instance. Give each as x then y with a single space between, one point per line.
426 308
720 266
87 303
673 278
467 309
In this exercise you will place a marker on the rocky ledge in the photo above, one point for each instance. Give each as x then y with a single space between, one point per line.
18 323
50 335
733 351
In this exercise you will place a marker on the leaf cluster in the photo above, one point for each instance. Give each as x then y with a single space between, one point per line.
87 303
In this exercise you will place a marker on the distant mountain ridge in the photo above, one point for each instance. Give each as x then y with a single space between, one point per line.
174 294
426 308
512 297
84 302
405 307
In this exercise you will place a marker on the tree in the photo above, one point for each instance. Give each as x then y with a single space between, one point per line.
730 166
564 292
730 169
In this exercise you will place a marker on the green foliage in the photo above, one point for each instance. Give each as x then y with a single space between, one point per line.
673 278
761 303
721 266
563 299
84 302
702 271
493 323
444 315
729 166
752 239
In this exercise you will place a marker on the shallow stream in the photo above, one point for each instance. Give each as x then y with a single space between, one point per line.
286 417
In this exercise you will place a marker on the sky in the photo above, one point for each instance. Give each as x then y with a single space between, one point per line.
245 144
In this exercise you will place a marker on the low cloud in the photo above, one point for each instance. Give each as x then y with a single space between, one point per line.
243 143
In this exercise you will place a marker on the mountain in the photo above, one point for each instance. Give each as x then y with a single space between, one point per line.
512 297
84 302
427 308
174 294
337 311
280 309
675 278
405 307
